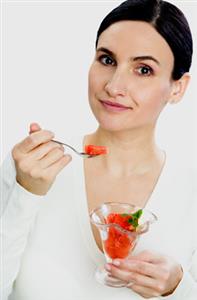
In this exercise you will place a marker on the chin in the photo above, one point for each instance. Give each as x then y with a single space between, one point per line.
108 125
114 122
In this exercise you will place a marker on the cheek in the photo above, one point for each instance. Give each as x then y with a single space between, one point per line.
89 81
93 83
155 95
93 90
151 101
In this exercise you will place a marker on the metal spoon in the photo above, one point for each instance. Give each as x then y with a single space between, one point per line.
82 154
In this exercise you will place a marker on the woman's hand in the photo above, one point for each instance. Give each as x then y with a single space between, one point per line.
149 274
38 160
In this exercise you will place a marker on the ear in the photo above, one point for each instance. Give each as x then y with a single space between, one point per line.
178 88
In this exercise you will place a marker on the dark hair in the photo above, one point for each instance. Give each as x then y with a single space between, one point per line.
167 19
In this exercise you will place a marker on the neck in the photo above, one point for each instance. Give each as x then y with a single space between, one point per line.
131 152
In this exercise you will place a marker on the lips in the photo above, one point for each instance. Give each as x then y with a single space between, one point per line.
115 104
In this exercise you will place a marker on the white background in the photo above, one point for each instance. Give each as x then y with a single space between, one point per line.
47 48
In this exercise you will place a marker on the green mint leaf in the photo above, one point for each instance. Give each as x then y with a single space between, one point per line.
133 218
133 222
138 214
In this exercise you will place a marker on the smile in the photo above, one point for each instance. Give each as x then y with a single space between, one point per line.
114 107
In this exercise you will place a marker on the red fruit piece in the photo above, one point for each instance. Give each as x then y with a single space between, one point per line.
111 218
95 150
122 220
118 244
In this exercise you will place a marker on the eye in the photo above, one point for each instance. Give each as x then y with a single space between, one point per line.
106 60
144 71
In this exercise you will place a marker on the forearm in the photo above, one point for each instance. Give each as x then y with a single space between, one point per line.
20 209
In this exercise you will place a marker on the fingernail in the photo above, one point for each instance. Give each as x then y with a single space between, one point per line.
108 267
116 262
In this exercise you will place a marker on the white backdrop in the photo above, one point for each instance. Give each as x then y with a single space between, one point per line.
47 48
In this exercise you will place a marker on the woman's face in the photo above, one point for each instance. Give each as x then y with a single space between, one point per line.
130 77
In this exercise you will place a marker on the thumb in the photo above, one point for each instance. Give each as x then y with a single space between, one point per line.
34 127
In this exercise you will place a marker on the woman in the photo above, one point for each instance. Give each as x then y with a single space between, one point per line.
141 64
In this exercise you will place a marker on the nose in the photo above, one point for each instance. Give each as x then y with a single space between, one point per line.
117 84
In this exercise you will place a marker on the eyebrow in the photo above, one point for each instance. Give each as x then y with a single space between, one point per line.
137 58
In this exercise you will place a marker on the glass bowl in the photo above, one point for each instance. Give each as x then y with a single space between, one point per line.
118 242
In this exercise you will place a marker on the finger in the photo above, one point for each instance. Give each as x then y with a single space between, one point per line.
34 127
52 157
133 277
137 266
59 165
42 150
34 140
144 291
148 256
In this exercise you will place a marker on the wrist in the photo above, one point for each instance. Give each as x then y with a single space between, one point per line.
179 276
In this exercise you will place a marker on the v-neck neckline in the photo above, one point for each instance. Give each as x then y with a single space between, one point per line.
83 209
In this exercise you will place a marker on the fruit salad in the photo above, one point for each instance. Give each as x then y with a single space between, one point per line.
95 150
119 243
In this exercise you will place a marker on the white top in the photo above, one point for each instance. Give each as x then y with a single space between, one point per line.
49 251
